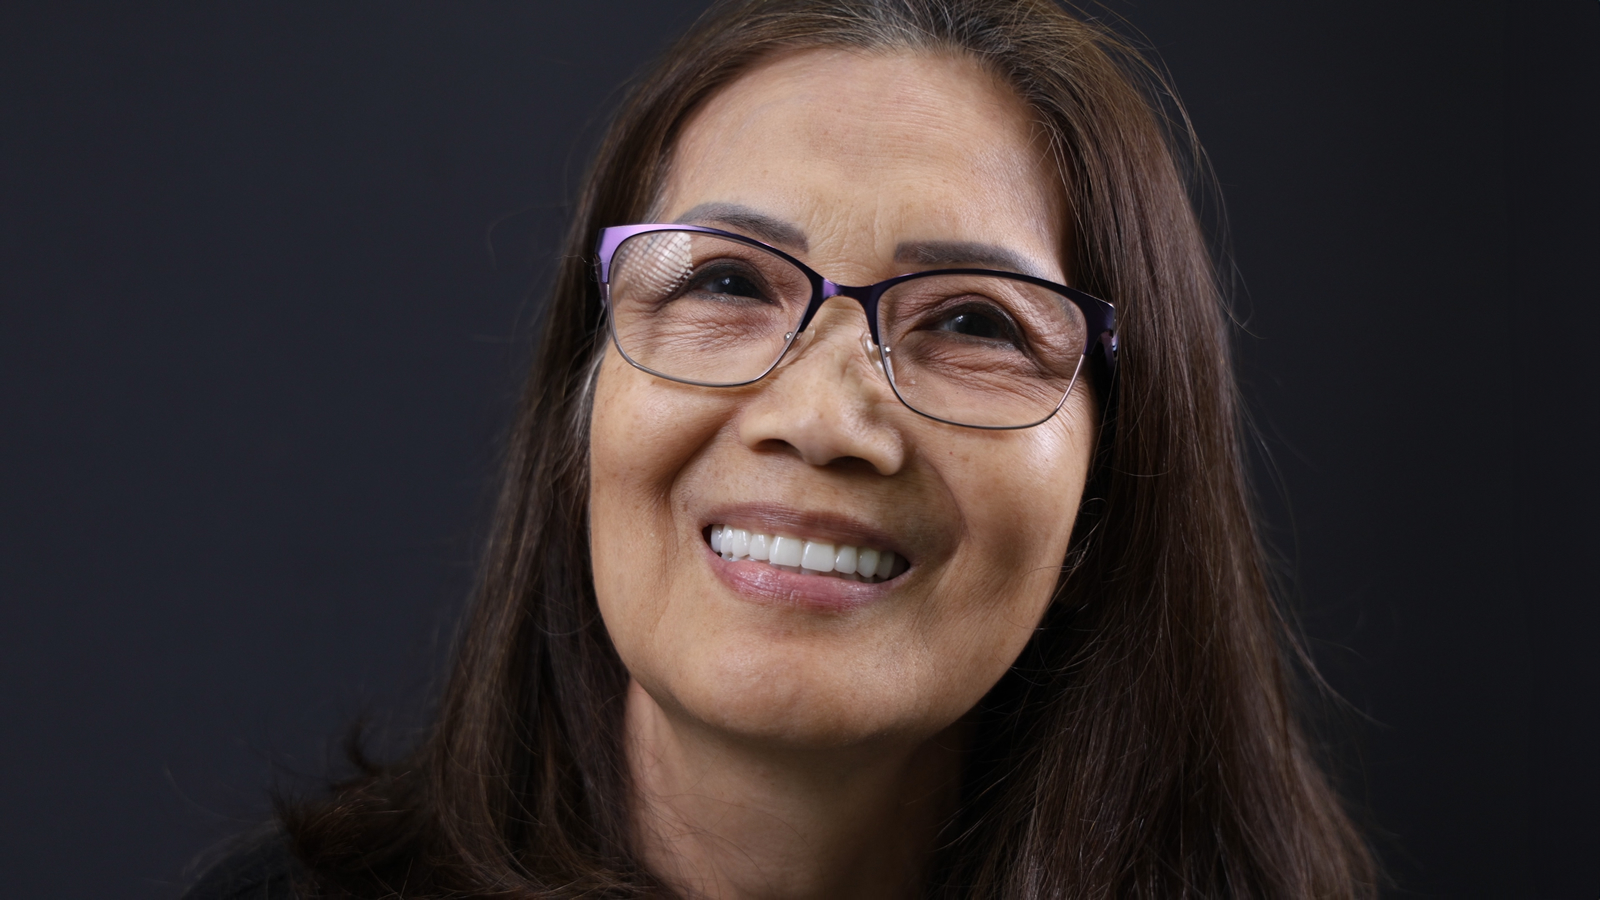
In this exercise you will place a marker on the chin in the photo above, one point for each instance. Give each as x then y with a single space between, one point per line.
800 698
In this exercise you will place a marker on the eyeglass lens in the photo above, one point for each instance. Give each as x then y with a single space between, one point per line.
983 350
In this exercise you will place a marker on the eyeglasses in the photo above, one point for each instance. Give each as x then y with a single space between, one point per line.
971 347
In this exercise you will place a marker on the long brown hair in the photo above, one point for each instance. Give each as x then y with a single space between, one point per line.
1146 743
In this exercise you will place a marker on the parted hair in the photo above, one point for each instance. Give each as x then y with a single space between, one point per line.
1147 743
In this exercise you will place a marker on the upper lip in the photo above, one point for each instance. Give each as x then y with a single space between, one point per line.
834 527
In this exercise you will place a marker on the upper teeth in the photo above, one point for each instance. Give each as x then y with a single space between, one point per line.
812 557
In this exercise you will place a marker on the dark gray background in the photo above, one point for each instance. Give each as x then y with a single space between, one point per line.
258 339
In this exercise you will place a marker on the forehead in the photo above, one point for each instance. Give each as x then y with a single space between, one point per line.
861 150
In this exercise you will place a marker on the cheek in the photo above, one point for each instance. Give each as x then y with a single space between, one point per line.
645 433
633 455
1018 502
1022 502
1019 499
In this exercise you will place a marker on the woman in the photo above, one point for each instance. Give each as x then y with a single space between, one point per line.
944 586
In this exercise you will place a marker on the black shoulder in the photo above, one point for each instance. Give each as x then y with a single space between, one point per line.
262 868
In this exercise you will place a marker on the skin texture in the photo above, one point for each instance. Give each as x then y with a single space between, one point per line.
782 747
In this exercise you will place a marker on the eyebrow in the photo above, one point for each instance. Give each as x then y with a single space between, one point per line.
951 254
745 220
961 254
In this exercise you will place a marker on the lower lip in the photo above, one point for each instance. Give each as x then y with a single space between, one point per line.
762 583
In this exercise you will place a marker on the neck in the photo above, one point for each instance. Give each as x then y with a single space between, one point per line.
720 817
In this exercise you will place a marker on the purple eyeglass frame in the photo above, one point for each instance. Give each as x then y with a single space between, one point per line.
1099 316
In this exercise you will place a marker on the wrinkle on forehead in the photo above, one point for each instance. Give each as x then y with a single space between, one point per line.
867 151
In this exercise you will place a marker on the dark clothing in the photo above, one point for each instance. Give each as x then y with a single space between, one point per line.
262 869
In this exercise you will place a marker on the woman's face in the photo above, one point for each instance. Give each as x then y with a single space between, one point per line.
865 167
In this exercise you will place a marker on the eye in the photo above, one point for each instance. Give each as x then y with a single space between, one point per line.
728 280
736 285
980 322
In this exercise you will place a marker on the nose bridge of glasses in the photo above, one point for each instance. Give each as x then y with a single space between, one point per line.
829 290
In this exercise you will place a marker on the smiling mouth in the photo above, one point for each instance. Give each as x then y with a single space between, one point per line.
791 554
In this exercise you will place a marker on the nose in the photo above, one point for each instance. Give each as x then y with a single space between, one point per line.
827 402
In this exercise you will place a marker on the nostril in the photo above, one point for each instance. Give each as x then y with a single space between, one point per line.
814 452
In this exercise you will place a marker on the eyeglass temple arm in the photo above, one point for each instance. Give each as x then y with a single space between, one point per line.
1102 318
